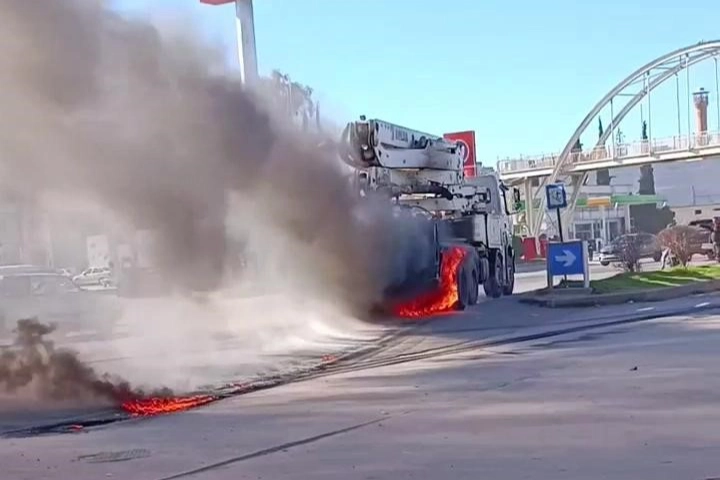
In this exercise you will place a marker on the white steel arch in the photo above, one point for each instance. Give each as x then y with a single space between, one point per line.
690 60
671 64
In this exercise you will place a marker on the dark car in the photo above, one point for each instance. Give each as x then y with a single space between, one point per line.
647 244
699 242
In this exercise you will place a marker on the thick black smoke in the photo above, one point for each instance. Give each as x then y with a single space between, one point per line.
151 127
34 365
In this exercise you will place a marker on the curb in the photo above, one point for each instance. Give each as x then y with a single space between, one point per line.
593 300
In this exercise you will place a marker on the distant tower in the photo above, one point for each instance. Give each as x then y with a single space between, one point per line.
700 98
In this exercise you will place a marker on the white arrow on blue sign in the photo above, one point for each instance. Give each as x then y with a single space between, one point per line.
566 258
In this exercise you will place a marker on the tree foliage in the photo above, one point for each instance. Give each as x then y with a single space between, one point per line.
647 180
602 176
650 219
629 254
679 240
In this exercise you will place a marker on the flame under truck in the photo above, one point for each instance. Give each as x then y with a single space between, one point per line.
425 173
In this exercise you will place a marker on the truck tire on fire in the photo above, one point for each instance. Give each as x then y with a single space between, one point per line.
474 285
462 289
470 275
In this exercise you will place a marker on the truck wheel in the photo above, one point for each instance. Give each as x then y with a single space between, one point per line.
462 289
474 287
493 284
471 279
509 286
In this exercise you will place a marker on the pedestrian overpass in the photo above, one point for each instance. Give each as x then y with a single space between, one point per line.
672 149
573 166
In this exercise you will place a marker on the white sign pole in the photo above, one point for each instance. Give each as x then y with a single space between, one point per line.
586 265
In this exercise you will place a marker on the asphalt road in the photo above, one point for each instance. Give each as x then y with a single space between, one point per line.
574 400
190 345
264 340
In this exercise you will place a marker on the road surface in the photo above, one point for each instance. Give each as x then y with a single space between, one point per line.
625 401
481 365
189 345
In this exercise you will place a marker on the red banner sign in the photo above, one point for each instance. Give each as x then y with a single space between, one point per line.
467 138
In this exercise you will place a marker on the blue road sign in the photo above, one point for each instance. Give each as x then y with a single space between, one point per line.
556 196
566 258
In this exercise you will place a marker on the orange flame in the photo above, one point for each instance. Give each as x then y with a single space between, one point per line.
159 405
442 298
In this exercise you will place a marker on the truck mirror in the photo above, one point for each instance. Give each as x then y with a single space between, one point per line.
517 203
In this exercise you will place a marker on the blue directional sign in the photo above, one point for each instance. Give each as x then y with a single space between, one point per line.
566 258
556 196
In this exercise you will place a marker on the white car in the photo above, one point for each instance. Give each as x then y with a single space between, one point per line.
94 276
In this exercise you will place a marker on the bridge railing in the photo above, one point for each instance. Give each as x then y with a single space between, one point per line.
656 146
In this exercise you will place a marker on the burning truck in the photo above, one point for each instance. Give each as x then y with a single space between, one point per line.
466 224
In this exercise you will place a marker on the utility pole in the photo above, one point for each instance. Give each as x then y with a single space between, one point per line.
246 48
298 97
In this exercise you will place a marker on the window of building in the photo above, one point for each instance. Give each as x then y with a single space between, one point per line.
698 212
583 231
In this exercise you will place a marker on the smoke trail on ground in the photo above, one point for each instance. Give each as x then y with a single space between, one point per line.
33 365
149 126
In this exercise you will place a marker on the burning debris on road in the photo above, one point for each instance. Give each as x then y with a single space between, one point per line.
161 405
33 365
441 299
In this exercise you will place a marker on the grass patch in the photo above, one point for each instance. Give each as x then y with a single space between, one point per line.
659 279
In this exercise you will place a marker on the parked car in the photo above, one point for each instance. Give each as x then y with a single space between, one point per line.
65 272
26 284
53 298
700 241
647 244
101 276
706 225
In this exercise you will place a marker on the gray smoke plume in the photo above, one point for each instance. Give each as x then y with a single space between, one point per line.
151 127
33 362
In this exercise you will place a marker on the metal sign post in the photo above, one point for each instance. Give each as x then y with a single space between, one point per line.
556 199
564 258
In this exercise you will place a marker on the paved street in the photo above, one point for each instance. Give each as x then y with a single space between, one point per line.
193 344
503 388
626 402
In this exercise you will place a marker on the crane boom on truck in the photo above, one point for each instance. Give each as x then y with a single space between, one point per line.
426 171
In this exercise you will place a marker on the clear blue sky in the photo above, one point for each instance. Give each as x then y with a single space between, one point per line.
522 74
